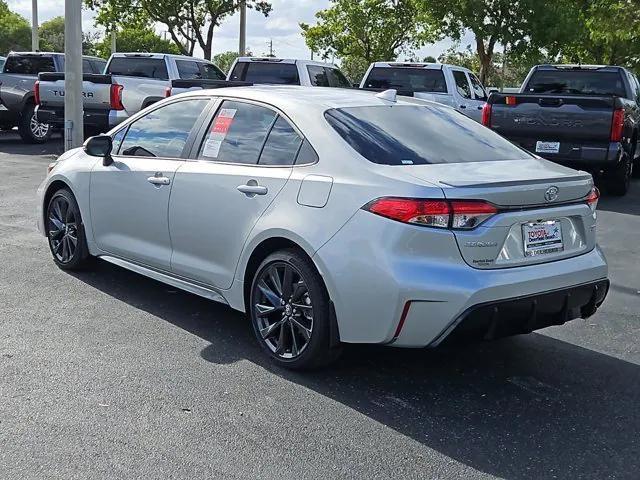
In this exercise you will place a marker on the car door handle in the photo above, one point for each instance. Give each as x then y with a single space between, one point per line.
251 190
159 180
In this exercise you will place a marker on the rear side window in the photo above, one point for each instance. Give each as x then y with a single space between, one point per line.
282 145
29 64
211 72
318 76
407 79
577 82
418 135
337 78
139 67
99 65
163 132
478 90
188 70
462 84
237 133
266 72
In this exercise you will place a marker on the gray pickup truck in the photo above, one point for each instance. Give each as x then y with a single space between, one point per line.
577 115
131 82
17 90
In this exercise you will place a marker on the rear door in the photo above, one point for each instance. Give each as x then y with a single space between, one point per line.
130 198
241 162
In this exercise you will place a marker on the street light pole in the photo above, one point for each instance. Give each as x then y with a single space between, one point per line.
243 28
73 124
35 43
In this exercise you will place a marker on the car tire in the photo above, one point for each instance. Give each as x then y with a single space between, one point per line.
618 179
30 130
65 232
290 312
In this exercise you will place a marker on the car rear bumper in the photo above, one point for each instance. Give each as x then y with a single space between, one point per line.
100 119
578 155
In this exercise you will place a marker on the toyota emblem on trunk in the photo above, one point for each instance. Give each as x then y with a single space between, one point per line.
551 194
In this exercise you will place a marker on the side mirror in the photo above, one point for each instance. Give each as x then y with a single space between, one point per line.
100 146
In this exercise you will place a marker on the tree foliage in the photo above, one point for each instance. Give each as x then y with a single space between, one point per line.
189 22
224 60
15 32
136 39
51 35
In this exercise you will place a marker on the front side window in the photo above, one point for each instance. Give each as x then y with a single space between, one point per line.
462 85
99 65
117 140
29 64
211 72
237 133
407 79
139 67
282 145
318 76
418 135
478 90
163 132
188 70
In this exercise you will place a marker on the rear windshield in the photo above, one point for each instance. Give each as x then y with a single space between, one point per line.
139 67
407 79
419 135
29 64
267 72
579 82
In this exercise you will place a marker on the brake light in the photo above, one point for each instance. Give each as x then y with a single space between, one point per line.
36 92
486 115
455 214
592 198
510 100
115 97
167 92
617 125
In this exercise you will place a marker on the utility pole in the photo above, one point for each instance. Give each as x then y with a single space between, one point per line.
243 28
270 43
35 42
73 123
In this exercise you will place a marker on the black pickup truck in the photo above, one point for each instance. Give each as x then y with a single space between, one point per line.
581 116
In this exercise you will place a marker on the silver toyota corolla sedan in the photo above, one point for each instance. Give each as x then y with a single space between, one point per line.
333 216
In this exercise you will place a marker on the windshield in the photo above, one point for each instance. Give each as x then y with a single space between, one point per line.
579 82
418 135
407 79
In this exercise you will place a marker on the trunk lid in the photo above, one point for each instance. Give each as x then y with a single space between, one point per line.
96 91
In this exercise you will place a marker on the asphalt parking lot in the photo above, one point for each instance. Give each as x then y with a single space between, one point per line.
106 374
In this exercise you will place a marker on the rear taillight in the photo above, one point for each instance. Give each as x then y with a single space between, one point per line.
36 92
115 97
167 92
617 125
454 214
592 198
510 101
486 115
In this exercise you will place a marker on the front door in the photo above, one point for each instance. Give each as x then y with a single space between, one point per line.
464 101
130 198
479 97
242 161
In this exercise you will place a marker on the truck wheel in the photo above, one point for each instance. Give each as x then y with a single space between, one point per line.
30 129
618 179
636 168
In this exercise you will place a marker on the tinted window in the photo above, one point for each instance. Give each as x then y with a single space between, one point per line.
99 65
188 70
462 85
580 82
139 67
164 131
272 72
282 145
407 79
29 65
237 133
416 135
307 154
337 78
211 72
239 71
86 66
478 89
318 76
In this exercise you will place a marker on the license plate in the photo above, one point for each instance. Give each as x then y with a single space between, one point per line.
547 147
541 238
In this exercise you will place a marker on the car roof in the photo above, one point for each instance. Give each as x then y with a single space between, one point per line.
157 55
284 60
60 54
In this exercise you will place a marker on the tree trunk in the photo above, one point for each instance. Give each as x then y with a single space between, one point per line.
485 54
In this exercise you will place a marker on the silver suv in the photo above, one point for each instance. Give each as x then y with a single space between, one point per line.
333 216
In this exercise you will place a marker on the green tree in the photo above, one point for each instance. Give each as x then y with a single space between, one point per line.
224 60
15 33
51 35
367 30
354 68
136 39
189 22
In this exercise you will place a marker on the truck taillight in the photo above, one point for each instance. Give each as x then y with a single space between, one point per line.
486 115
115 97
36 92
454 214
617 125
167 92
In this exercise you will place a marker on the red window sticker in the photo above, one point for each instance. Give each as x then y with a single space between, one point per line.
221 125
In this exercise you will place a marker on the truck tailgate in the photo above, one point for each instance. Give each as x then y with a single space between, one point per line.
558 118
96 91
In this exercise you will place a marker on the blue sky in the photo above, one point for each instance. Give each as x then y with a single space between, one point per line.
281 26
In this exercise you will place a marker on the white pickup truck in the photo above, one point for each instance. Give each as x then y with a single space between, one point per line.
131 82
451 85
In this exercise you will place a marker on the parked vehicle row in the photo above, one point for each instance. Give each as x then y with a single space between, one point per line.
333 216
582 116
